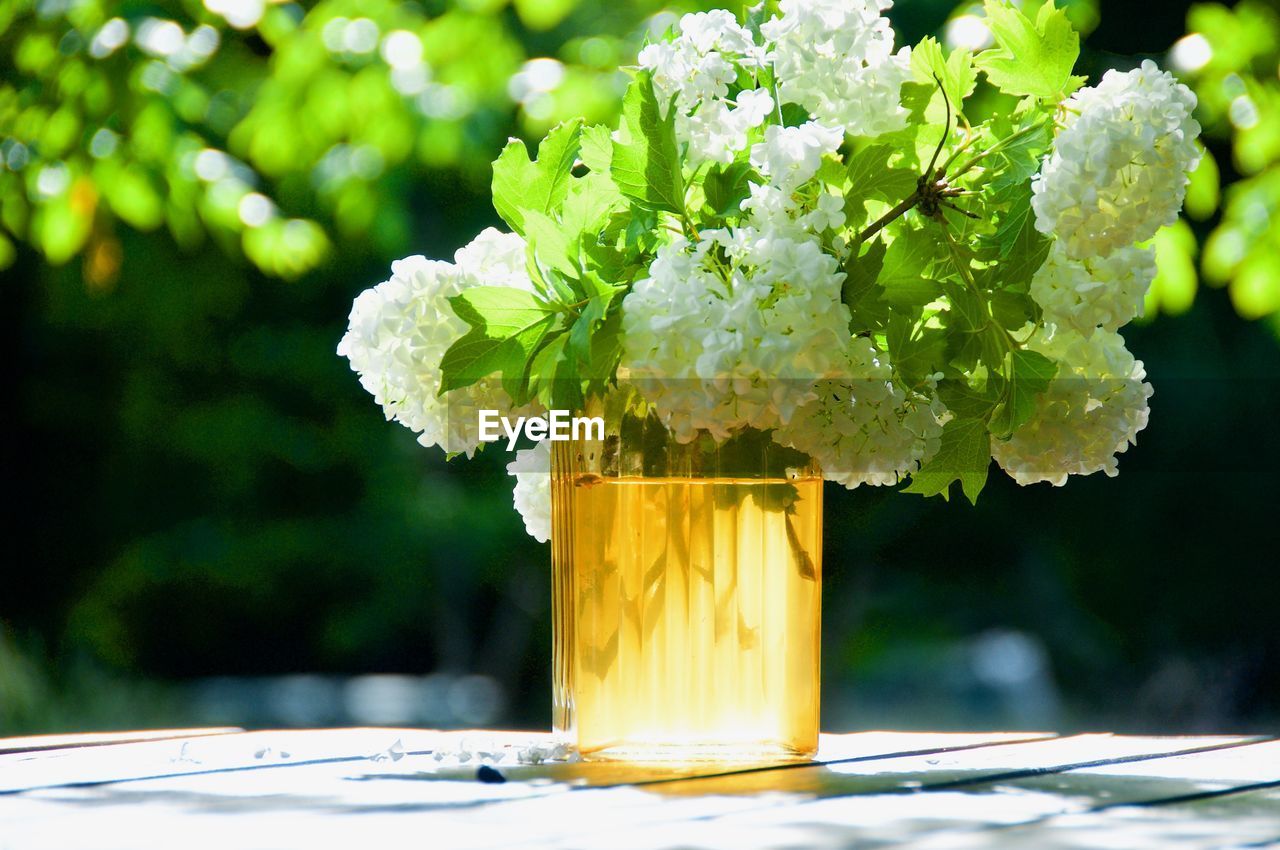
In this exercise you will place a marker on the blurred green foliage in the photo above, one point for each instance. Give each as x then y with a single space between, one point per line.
272 130
190 197
1231 57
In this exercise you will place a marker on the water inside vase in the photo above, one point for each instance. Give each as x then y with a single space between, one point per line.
688 616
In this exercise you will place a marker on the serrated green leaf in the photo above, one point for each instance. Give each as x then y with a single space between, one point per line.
964 456
552 377
1032 58
606 349
903 276
521 184
861 290
957 73
551 244
915 353
966 402
590 202
584 326
1029 375
646 167
967 312
727 186
507 326
1017 161
1021 248
596 152
871 178
1012 309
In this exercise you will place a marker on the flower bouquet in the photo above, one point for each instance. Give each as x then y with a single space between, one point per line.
801 255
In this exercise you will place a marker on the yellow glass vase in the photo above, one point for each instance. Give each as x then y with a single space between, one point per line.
686 599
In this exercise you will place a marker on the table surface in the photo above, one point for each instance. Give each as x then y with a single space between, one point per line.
367 788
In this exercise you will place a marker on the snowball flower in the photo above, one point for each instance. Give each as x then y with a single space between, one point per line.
532 494
399 331
1118 169
790 156
1094 292
733 331
697 68
1092 410
864 429
835 58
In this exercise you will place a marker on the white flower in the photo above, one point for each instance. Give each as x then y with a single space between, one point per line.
400 329
827 214
1092 410
1118 169
790 156
697 68
835 58
733 331
1094 292
862 428
532 494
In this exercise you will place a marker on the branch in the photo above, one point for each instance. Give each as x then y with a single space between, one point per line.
880 223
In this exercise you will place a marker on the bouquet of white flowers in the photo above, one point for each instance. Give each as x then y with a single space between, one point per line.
881 258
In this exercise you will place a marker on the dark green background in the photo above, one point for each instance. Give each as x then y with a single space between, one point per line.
197 486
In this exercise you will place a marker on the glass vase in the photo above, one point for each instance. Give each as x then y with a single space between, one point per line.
687 591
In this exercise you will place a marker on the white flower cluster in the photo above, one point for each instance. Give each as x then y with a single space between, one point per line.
1116 175
862 428
697 68
789 157
1118 170
1092 410
733 330
400 329
532 494
835 58
1094 292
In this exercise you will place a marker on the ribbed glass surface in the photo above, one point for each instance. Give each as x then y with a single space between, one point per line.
687 588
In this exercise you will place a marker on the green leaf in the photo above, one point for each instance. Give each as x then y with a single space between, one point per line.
906 284
861 290
871 178
551 243
507 327
1016 162
1031 58
1021 248
597 148
727 186
520 184
584 326
916 353
552 377
967 311
1012 310
964 456
966 402
606 349
956 72
1029 375
646 167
